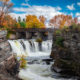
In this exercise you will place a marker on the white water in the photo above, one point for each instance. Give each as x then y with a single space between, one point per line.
31 48
39 70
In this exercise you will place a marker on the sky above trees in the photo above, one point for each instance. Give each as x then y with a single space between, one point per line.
47 8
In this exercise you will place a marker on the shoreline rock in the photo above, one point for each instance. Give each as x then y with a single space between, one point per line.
9 69
66 52
9 66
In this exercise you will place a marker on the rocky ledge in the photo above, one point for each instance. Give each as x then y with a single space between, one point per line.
9 69
66 51
9 66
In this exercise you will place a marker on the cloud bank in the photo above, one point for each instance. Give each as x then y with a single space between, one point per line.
46 11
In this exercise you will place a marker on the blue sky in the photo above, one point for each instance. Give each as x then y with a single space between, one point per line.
48 8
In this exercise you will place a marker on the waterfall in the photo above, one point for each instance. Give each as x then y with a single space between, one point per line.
17 48
30 47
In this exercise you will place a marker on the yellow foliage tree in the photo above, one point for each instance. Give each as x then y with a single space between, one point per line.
33 22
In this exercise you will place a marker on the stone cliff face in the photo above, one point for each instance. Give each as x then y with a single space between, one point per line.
66 51
9 66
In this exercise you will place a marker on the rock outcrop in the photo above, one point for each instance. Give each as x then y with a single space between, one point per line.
66 51
9 66
9 69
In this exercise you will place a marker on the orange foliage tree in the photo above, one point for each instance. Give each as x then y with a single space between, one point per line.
60 21
42 19
5 6
9 22
33 22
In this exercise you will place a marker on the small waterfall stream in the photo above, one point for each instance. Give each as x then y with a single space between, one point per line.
36 69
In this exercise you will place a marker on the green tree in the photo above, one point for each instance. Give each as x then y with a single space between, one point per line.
22 24
19 19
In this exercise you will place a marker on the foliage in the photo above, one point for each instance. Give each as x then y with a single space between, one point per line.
8 22
59 41
33 22
22 24
58 31
9 33
17 25
23 62
65 27
39 40
42 19
74 26
60 21
5 7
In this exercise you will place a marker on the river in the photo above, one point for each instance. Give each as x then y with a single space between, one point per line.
37 68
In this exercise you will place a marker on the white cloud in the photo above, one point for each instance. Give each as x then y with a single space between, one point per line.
79 19
14 15
77 14
71 7
46 11
25 4
58 8
78 3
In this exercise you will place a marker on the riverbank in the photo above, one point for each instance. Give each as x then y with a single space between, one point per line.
66 51
9 66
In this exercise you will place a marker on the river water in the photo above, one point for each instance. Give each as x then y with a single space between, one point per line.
36 54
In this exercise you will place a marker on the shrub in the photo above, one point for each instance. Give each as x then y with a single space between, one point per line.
39 40
74 26
58 31
9 33
59 41
23 62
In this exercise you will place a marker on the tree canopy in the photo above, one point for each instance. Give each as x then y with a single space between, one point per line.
60 21
33 22
5 6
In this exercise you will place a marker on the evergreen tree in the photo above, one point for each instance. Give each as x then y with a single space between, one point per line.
19 19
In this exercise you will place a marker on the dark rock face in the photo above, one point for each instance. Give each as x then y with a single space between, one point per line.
9 69
9 66
66 53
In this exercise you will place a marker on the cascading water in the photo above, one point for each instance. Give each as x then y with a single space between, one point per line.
31 48
36 69
17 48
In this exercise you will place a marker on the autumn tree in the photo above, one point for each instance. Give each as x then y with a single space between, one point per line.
9 22
60 21
5 6
42 19
33 22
